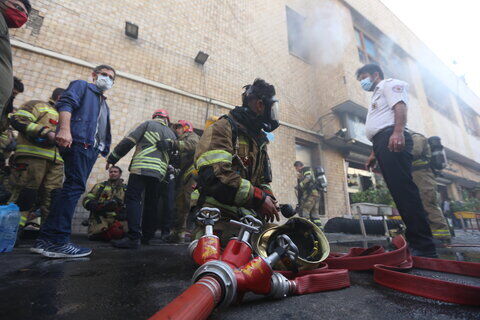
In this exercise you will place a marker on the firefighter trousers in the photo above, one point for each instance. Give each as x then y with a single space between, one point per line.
425 181
182 202
32 182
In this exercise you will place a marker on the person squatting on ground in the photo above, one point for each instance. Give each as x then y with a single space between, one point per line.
234 172
107 209
147 169
84 133
424 177
185 146
13 15
308 194
36 166
392 149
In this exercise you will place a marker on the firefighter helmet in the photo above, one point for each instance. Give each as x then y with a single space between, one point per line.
162 113
186 125
312 244
211 120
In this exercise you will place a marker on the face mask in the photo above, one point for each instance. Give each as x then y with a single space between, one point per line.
104 83
14 18
270 117
367 84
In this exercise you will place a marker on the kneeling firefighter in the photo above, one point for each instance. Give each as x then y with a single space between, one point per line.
234 172
107 209
36 164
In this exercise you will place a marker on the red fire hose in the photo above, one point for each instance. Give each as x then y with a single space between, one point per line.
224 277
197 302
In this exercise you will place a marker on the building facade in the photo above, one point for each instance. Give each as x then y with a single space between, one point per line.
308 49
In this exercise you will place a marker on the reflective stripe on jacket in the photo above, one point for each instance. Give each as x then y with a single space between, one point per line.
147 159
34 120
228 173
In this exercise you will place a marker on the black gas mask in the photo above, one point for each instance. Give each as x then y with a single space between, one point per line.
270 119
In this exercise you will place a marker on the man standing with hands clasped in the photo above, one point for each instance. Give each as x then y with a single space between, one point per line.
83 133
392 149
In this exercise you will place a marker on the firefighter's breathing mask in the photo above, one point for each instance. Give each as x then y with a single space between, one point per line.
270 118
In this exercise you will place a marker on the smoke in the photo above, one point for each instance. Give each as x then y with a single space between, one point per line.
327 32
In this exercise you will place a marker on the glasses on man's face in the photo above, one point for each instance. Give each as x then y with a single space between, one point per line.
107 75
18 7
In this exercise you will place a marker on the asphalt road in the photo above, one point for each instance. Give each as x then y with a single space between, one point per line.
129 284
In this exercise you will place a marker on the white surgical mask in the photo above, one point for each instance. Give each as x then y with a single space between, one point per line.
367 84
104 83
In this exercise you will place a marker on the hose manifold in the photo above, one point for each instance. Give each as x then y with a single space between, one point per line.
224 274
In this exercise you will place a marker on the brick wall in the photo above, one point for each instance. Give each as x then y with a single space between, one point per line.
244 38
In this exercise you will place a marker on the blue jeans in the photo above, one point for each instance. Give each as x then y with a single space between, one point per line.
79 162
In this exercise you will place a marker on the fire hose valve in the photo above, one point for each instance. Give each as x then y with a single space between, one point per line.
285 248
238 250
207 248
208 217
248 225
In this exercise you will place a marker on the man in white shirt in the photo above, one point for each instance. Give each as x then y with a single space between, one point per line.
392 149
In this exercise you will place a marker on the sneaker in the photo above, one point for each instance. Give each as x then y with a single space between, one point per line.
126 243
67 250
40 245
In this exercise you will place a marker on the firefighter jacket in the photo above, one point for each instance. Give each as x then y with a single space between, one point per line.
106 191
186 145
233 167
306 182
34 120
147 159
7 143
421 152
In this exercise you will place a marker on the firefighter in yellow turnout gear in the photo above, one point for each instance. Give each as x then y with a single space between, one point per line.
234 173
106 205
147 170
36 164
308 195
424 178
185 145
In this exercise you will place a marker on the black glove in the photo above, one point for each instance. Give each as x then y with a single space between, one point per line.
94 206
110 205
287 210
166 145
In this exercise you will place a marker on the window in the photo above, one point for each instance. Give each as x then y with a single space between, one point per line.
367 51
392 64
297 40
470 118
438 95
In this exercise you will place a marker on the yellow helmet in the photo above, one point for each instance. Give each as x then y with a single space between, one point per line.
211 120
312 244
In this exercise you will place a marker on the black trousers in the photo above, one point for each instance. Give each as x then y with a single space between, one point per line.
137 185
396 169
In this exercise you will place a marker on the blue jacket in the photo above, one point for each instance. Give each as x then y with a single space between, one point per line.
82 100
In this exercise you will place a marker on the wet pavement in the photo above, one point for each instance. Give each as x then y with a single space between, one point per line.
129 284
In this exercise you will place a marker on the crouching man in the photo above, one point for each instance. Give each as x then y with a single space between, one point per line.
233 166
107 210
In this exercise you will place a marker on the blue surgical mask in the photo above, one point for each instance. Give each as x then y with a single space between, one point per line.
104 83
367 84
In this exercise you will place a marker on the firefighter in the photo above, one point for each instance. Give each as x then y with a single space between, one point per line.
36 164
234 172
308 194
424 177
185 145
106 205
147 169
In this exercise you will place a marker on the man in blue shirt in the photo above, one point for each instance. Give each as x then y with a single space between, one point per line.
83 133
